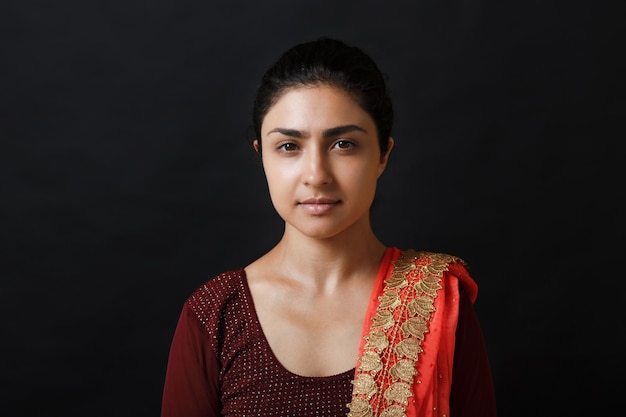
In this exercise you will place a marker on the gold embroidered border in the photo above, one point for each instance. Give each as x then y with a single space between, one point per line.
388 364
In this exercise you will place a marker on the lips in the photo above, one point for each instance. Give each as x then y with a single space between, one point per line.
319 200
318 206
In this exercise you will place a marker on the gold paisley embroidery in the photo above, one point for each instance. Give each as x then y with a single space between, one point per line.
415 326
440 262
393 344
364 384
377 340
409 348
394 411
436 267
429 285
399 392
370 362
397 281
404 263
389 300
360 407
421 305
404 370
384 319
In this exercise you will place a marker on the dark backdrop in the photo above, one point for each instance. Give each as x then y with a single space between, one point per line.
128 180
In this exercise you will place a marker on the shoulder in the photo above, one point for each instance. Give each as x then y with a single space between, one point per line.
440 266
434 262
220 291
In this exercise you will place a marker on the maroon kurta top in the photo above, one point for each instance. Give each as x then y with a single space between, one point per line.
220 364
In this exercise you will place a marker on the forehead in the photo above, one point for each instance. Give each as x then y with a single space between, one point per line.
311 107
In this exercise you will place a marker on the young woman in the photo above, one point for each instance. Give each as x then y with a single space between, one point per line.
330 322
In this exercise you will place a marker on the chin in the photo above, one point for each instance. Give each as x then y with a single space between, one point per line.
322 231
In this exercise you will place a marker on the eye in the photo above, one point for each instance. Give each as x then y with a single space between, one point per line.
344 144
287 147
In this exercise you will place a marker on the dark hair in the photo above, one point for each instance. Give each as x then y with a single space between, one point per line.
327 61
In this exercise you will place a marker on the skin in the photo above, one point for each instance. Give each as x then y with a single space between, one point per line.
322 162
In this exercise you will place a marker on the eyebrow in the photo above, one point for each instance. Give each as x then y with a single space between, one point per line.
333 131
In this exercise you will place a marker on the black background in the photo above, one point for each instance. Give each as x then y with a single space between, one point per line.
128 179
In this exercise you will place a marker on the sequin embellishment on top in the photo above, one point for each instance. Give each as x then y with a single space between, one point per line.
252 380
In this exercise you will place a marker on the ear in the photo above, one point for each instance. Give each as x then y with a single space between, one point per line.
385 157
257 145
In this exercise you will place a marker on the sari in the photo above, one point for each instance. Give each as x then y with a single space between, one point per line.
406 354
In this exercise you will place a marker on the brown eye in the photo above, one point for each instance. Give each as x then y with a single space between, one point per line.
288 147
344 144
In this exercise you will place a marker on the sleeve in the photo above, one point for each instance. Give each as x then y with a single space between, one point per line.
472 391
191 386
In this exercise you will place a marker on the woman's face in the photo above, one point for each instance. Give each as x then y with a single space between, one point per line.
322 160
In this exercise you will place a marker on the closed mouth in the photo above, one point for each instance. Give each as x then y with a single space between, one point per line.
320 200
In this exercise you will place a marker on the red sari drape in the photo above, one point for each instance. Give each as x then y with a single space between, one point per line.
406 355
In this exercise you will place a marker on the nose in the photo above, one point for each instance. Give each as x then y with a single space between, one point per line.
316 169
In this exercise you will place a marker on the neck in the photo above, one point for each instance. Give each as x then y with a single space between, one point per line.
325 264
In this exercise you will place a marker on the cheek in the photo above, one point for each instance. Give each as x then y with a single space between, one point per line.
361 174
364 181
279 178
278 171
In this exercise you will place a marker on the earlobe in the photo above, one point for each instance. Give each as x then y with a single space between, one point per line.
390 143
257 148
385 157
